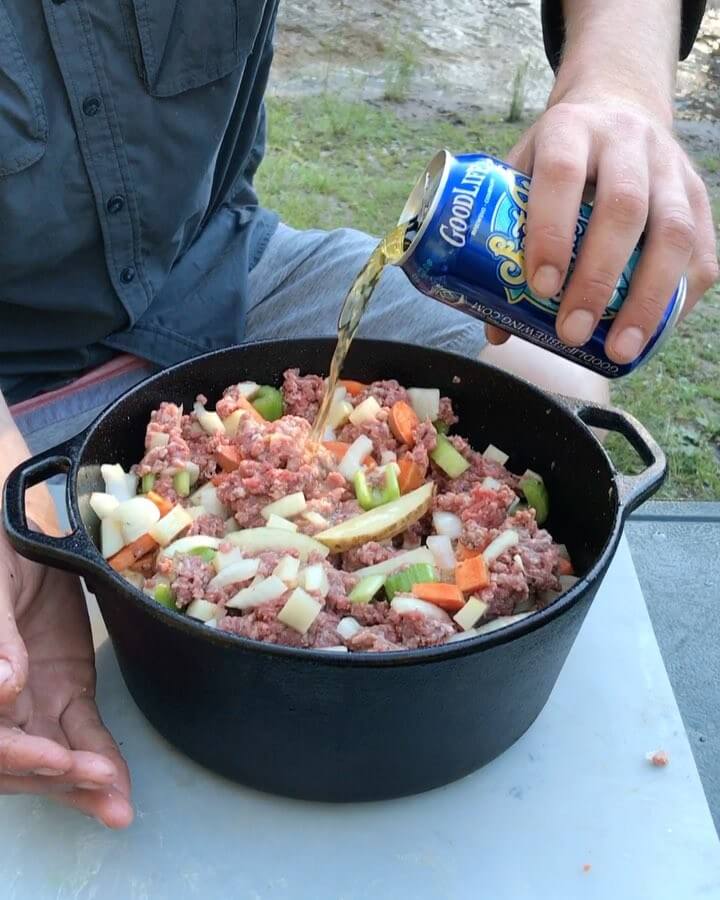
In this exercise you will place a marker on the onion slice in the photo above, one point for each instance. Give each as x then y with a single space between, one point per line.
504 541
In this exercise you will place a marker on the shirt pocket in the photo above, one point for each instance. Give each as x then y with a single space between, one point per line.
186 44
23 122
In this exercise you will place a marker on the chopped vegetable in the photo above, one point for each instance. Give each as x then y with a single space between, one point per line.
441 548
402 582
136 516
366 588
440 426
354 388
514 506
119 483
268 401
193 470
447 596
228 458
300 611
315 580
348 627
341 648
339 414
169 527
132 553
274 521
472 574
181 483
207 497
450 460
230 524
242 570
425 402
537 496
388 456
315 519
164 596
504 541
148 483
372 497
248 389
262 592
352 461
286 507
403 422
471 613
210 422
202 610
464 552
411 475
379 524
367 411
162 504
395 563
111 537
192 542
491 484
256 540
494 454
206 554
158 439
501 622
232 422
448 524
564 566
405 605
103 504
287 570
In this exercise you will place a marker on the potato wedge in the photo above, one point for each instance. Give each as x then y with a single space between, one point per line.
381 523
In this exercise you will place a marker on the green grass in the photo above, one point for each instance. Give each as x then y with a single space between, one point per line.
334 163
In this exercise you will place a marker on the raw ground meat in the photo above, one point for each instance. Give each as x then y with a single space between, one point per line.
369 554
175 454
377 430
385 392
210 525
302 394
190 579
447 413
479 509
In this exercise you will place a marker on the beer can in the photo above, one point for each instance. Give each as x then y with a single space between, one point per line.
467 219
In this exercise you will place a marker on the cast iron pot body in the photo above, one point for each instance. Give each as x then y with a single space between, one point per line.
345 727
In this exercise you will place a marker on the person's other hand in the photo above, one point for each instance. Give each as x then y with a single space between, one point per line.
643 182
52 740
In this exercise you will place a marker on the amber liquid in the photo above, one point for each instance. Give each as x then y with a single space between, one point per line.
388 251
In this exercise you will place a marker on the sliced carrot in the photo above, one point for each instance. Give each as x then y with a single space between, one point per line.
218 479
403 421
472 574
411 475
228 458
133 552
462 552
162 504
340 448
447 596
244 403
352 387
146 564
565 567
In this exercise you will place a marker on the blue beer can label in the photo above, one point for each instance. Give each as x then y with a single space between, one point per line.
468 252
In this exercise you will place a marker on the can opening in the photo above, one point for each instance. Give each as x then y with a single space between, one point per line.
423 200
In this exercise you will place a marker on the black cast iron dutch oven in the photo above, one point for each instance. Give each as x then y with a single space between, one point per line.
323 726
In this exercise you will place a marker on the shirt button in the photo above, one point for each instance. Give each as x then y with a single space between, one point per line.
127 275
115 203
91 106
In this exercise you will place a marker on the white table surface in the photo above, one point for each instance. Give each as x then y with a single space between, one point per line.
575 790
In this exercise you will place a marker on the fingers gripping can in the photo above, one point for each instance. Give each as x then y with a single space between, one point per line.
467 218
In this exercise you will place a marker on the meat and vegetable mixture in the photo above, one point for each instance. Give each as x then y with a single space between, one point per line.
392 534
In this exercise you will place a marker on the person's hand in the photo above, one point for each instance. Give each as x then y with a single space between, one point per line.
643 182
52 740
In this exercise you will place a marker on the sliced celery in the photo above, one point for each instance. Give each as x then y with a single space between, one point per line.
402 582
163 595
269 403
537 497
371 497
206 554
181 483
148 483
441 427
365 590
448 458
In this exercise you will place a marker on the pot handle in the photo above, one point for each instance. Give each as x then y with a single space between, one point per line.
633 490
74 552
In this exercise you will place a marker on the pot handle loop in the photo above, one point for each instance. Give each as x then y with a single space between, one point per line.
73 552
633 490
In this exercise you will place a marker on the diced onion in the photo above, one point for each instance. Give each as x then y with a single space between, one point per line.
119 483
222 560
425 402
111 537
287 570
528 473
278 522
352 461
315 519
210 422
348 627
195 511
441 548
243 570
500 622
232 422
471 613
448 524
401 561
170 526
262 592
300 611
103 504
494 454
230 525
504 541
192 542
248 389
193 470
513 508
315 580
136 516
387 456
207 496
404 605
341 648
202 610
286 507
491 483
158 439
339 414
367 411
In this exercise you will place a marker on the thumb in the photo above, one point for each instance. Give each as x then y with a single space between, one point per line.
13 655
